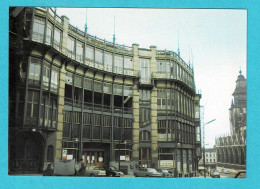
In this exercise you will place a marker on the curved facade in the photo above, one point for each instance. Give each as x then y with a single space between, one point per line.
80 96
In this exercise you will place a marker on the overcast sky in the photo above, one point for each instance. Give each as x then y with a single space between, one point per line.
216 37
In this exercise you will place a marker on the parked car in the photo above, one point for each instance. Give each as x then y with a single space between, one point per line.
113 172
226 171
215 174
165 173
240 174
147 172
95 171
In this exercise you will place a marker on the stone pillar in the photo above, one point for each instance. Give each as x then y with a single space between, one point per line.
65 32
60 112
135 148
154 129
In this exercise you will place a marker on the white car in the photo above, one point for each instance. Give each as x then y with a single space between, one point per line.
226 171
95 171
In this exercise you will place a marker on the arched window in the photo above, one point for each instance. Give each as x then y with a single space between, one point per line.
144 136
50 153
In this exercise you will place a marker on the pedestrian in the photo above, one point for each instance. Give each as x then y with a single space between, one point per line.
82 169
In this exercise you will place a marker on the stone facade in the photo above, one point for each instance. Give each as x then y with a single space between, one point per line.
76 96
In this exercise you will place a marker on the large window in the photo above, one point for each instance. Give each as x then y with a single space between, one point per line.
49 111
38 29
89 53
144 95
46 76
54 79
144 136
33 104
160 66
128 66
162 131
71 47
35 70
49 34
99 56
118 68
57 38
145 70
108 62
79 51
161 99
144 116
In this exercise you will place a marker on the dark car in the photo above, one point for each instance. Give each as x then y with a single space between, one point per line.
240 174
165 173
113 172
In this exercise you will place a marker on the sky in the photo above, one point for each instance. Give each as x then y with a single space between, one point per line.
215 40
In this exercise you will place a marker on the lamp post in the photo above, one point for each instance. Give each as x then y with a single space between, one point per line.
204 145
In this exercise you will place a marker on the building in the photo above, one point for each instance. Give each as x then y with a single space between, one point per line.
231 149
210 159
74 95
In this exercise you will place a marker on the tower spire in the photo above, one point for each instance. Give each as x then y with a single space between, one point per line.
189 55
240 72
86 24
114 36
178 45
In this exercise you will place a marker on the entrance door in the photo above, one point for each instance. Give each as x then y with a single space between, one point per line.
31 157
94 158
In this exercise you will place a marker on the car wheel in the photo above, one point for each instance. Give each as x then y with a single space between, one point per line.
92 175
147 175
110 175
135 175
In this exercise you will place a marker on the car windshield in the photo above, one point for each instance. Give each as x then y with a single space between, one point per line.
151 170
164 171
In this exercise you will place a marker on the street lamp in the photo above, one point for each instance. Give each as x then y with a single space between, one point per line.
204 145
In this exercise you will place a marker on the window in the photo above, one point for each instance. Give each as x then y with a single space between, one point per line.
118 64
144 136
145 70
160 66
118 89
144 95
99 56
46 75
35 69
128 91
71 46
145 115
38 29
57 38
54 79
89 53
49 31
86 119
128 66
128 123
108 62
33 104
161 99
162 131
79 51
